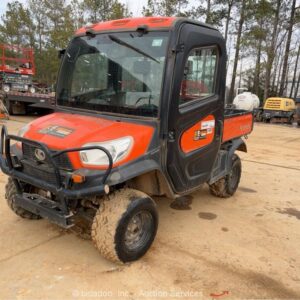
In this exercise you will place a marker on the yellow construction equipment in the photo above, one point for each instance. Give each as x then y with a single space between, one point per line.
278 109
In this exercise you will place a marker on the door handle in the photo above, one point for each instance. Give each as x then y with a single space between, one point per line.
171 136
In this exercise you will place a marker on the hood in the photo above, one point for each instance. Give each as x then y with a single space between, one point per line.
63 130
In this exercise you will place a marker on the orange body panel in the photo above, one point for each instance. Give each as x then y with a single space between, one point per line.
237 126
199 135
130 23
78 130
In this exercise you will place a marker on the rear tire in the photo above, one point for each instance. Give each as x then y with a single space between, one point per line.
125 225
10 193
227 186
291 120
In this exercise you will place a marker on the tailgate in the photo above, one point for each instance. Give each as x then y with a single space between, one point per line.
237 124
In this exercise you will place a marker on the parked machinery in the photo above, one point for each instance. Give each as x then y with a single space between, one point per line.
16 69
279 110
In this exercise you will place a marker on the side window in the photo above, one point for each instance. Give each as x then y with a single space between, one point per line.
199 76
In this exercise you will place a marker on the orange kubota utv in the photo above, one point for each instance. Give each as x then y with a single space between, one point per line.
139 113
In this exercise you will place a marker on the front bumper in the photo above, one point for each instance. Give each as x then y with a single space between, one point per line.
63 187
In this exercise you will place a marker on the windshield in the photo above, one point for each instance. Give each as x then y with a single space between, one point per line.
116 73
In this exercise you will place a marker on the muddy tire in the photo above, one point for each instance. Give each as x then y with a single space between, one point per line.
10 192
227 186
125 225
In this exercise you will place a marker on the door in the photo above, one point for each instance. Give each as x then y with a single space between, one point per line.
196 107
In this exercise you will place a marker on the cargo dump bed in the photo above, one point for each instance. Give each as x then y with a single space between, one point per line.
237 123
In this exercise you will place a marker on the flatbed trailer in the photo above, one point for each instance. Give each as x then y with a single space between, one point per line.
18 103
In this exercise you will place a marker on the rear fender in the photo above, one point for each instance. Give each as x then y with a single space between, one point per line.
223 162
236 145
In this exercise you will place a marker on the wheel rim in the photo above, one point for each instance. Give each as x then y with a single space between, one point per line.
6 88
234 177
138 231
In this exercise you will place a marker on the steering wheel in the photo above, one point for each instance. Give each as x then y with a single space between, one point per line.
149 106
141 98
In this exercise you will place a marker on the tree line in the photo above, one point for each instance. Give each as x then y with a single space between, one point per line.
262 36
48 25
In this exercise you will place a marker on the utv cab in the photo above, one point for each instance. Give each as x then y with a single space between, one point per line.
139 113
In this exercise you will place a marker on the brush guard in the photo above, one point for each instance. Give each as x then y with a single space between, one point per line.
56 211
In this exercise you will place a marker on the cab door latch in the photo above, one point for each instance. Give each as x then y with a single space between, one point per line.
178 48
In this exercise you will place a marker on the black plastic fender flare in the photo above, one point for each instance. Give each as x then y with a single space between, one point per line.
236 145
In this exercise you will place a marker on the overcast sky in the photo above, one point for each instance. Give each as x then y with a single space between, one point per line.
3 4
134 6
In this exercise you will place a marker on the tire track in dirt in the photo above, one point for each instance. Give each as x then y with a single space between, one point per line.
257 282
272 165
30 248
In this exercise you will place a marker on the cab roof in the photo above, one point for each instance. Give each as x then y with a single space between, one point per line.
134 23
129 23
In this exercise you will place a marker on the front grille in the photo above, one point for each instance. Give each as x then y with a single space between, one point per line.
41 172
62 161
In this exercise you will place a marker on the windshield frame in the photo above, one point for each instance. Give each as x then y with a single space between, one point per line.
61 107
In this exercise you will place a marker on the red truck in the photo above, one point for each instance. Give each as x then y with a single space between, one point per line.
139 113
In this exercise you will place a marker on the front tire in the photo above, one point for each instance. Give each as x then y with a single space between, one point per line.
125 225
227 186
10 193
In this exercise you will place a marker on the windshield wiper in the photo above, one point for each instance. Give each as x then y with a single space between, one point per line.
117 40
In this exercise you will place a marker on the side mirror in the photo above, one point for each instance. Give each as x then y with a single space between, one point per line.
61 53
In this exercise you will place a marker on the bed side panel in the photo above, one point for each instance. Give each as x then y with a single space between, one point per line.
237 126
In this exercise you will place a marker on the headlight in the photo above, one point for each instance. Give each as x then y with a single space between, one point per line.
23 130
118 149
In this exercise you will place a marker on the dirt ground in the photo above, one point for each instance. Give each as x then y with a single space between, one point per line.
245 247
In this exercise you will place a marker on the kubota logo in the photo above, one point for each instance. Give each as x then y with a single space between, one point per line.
39 154
245 127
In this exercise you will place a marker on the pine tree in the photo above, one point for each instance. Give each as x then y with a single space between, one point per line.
17 27
104 10
287 49
237 48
